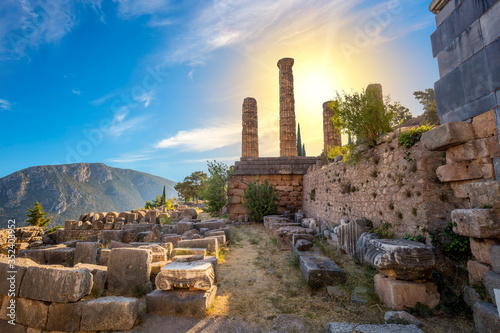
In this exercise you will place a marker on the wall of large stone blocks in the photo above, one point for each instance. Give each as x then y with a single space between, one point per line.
390 184
288 188
466 44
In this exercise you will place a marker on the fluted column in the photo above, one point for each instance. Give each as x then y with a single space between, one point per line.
288 136
331 134
377 88
250 133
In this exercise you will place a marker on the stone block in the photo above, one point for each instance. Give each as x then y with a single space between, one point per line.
154 235
402 259
491 282
60 256
495 258
484 125
169 247
221 240
476 77
129 269
468 151
285 234
99 277
476 271
211 244
402 318
182 227
296 237
174 239
471 296
483 194
60 285
36 255
195 275
180 302
349 234
86 253
6 327
478 223
109 226
480 249
129 236
189 251
70 225
112 235
489 24
64 317
451 96
486 318
320 271
465 171
159 252
303 245
362 328
113 313
7 284
448 135
31 313
103 258
398 294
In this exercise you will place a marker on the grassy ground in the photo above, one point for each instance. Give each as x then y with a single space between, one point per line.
259 282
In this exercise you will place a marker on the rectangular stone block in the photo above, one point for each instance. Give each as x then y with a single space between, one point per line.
189 251
60 285
320 271
476 77
465 171
217 232
491 282
476 271
129 269
174 239
296 237
11 276
64 317
483 194
448 135
484 125
486 318
399 294
99 277
221 240
112 313
478 223
468 151
182 227
112 235
86 252
36 255
214 225
195 275
60 256
103 259
211 244
481 249
489 24
495 258
31 313
180 302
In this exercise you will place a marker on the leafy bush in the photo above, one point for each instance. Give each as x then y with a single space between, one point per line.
417 238
260 200
409 138
216 186
350 155
455 246
384 231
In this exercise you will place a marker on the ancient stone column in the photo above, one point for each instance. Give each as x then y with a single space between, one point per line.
250 133
331 134
377 87
288 136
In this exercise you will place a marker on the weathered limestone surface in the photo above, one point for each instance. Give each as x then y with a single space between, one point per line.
159 253
60 256
182 227
331 135
361 328
86 253
478 223
154 236
319 271
250 133
129 268
476 271
60 285
348 235
211 244
113 313
99 277
402 259
288 136
471 296
481 249
180 302
401 318
195 275
188 251
285 235
64 317
486 318
448 135
174 239
31 313
483 194
6 327
398 294
20 266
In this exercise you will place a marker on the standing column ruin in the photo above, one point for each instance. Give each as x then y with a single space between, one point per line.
331 135
250 133
377 89
288 136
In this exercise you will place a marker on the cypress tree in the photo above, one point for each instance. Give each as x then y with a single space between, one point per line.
299 143
163 197
303 149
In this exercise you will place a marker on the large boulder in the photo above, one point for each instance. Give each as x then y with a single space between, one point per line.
402 259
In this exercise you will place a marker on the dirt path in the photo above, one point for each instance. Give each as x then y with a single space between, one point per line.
257 283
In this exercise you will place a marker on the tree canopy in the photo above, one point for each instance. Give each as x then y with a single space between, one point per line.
193 186
36 216
428 100
217 184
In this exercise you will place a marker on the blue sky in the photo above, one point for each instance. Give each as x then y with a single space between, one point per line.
157 85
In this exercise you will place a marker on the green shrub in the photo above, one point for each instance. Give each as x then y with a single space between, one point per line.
455 246
49 231
350 154
417 238
384 231
216 186
260 200
409 138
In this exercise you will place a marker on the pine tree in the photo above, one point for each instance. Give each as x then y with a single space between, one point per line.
299 143
303 149
36 216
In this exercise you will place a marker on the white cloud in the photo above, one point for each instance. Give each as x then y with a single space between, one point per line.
218 159
5 105
146 98
204 139
191 73
76 92
119 125
133 8
129 159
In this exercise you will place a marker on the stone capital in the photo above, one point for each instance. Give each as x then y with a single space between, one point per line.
285 62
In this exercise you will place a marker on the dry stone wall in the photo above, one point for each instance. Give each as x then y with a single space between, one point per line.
390 184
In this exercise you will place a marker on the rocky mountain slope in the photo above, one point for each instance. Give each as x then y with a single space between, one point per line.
69 190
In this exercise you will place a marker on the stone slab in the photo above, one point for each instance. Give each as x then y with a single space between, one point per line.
491 282
486 318
6 327
211 244
189 251
129 269
195 275
86 253
478 223
182 227
398 294
60 256
480 249
31 313
64 317
285 235
320 271
180 302
448 135
112 313
483 194
362 328
17 271
60 285
174 239
99 277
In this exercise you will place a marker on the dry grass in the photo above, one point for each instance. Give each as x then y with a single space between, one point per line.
258 282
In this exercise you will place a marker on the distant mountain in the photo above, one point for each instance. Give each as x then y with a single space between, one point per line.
69 190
